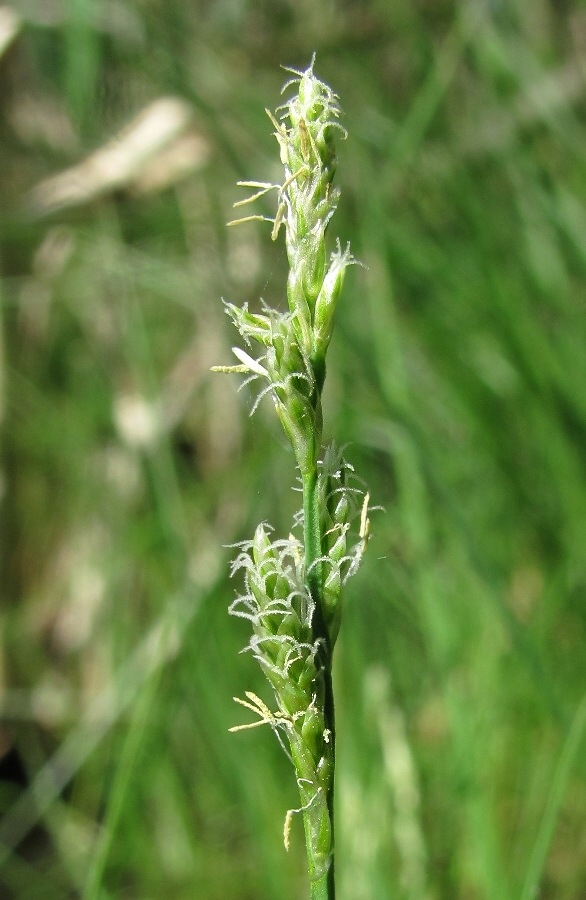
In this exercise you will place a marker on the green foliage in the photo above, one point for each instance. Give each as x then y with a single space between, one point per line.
456 372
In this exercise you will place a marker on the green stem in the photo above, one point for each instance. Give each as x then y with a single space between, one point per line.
323 888
312 542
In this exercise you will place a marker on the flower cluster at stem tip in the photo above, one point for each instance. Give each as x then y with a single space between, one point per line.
296 342
292 595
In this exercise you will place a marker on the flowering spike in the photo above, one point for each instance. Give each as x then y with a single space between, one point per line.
292 590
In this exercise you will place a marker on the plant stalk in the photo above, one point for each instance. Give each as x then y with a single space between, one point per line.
324 887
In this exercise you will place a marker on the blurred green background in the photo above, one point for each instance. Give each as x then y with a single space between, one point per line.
457 375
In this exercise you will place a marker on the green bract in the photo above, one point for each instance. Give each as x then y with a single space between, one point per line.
293 588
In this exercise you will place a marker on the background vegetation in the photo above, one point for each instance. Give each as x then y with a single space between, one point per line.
457 373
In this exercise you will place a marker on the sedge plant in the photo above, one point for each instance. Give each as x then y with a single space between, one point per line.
292 586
